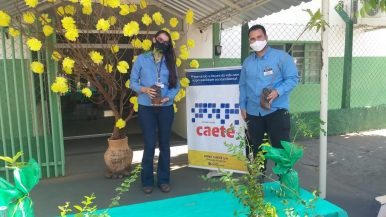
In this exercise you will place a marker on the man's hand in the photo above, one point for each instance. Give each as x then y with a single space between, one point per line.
273 95
243 114
149 91
164 100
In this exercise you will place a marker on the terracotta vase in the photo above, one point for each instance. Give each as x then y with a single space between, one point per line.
118 158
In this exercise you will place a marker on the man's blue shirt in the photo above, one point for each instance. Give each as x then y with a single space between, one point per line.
275 69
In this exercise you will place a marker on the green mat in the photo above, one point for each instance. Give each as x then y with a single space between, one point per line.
219 203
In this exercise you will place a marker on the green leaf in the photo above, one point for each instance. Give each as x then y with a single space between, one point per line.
79 208
6 159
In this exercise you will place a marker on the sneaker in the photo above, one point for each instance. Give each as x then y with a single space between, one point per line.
164 188
147 189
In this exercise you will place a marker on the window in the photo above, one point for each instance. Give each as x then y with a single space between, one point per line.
308 59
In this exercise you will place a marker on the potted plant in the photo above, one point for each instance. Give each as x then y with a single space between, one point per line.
99 41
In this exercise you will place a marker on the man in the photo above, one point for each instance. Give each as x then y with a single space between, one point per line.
275 72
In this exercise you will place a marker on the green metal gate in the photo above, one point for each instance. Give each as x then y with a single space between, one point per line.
30 115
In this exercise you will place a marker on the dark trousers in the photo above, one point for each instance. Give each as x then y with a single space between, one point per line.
156 123
276 125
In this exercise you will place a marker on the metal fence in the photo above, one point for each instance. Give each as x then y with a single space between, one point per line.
368 63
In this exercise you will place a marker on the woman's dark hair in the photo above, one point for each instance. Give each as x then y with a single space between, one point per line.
170 58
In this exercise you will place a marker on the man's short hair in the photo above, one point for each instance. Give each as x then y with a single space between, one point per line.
257 27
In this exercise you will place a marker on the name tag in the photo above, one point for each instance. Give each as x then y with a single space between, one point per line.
161 85
268 71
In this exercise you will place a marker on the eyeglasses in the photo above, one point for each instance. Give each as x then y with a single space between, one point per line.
163 41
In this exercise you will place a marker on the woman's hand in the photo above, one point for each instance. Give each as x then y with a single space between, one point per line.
149 91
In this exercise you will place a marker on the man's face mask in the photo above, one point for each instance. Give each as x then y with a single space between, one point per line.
258 45
162 47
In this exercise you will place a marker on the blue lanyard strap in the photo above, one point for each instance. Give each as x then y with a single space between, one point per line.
159 70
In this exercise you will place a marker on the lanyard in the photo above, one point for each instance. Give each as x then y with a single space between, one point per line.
159 69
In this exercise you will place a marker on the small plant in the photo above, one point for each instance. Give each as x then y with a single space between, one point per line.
87 207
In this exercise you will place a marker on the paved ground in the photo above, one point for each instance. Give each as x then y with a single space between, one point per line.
356 174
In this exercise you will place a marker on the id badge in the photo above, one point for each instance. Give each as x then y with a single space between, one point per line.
159 84
268 71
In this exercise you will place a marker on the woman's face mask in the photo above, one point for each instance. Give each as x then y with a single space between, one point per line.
258 45
162 47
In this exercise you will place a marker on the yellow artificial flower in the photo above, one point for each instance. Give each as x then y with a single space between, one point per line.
125 10
34 44
173 22
29 17
136 43
184 52
86 3
31 3
180 95
60 85
166 29
87 10
133 8
51 1
74 1
184 82
72 34
134 58
60 11
48 30
5 19
146 44
68 23
109 68
45 19
96 57
120 124
123 66
146 19
175 36
194 64
112 20
189 17
103 25
142 4
69 9
56 56
131 28
37 67
113 3
178 62
175 109
13 32
158 18
133 100
127 84
190 43
115 48
68 65
87 92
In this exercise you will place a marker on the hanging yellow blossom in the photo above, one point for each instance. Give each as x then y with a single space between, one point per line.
96 57
173 22
123 66
136 43
166 29
184 82
68 23
87 92
146 19
60 11
37 67
184 52
34 44
131 28
109 68
127 84
113 3
180 95
86 3
60 85
56 56
189 17
115 48
142 4
87 10
158 18
112 20
29 17
146 44
120 124
5 19
69 9
133 8
103 25
134 58
194 64
134 100
68 65
175 36
178 62
72 34
125 10
31 3
45 19
175 109
190 43
13 32
48 30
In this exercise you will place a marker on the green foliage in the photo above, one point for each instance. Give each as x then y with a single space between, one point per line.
12 162
87 206
372 5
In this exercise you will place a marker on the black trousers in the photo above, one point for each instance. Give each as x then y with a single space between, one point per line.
277 126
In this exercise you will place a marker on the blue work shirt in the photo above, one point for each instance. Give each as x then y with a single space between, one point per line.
275 69
144 74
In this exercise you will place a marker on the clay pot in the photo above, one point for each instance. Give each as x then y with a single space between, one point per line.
118 158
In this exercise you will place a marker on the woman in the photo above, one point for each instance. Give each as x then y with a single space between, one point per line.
151 71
